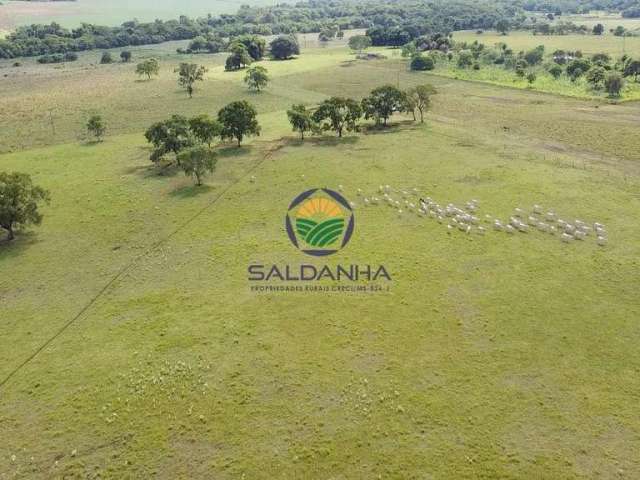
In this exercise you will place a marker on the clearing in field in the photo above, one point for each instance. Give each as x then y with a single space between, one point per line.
488 356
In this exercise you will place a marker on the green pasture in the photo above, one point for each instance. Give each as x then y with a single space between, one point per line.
589 44
489 356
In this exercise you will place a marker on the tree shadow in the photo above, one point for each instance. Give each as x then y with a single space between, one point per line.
190 191
229 150
326 141
13 248
391 127
91 143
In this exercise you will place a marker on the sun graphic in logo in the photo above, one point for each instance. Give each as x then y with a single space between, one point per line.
320 222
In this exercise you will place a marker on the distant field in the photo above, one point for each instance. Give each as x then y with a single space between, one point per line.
589 44
490 357
112 12
608 20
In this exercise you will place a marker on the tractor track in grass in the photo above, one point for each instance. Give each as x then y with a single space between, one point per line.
271 148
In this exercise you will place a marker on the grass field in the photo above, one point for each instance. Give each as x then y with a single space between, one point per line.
489 357
114 12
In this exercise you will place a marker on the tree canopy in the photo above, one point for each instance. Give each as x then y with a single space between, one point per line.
383 102
256 78
284 47
148 67
239 119
338 114
189 74
19 201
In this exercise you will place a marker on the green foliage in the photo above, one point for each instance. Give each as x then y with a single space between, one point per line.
256 78
531 78
421 62
58 58
197 162
502 26
205 129
521 67
209 43
96 126
284 47
189 74
148 67
300 119
338 114
535 55
328 33
383 102
106 58
125 56
601 59
613 84
359 43
556 71
598 29
632 68
238 119
239 57
577 68
19 199
387 23
419 98
254 45
596 76
169 136
465 59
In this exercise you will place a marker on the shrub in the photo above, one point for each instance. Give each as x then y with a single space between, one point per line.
421 63
106 58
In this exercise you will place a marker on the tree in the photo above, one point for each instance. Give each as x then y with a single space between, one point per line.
531 77
125 56
613 84
239 57
577 68
205 129
535 55
338 114
601 59
96 126
632 68
419 98
284 47
301 119
359 43
383 102
555 71
148 67
19 200
169 136
596 76
197 162
619 31
188 74
254 45
465 59
598 29
106 58
502 26
256 78
420 63
238 120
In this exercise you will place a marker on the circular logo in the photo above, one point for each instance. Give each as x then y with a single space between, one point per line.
320 222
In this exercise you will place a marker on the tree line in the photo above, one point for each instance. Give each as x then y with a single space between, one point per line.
389 23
